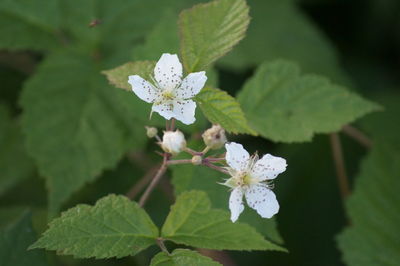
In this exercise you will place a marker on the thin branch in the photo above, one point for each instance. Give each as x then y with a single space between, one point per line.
340 165
155 181
140 185
184 161
218 168
192 152
358 136
160 243
172 125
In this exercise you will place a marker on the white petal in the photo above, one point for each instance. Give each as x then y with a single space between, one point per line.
236 156
184 111
236 203
262 199
165 109
268 167
168 71
191 85
143 89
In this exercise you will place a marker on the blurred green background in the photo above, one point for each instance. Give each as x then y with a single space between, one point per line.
48 52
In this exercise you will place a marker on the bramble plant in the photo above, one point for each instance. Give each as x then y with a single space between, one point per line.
214 170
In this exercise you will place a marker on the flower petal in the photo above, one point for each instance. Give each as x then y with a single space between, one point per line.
262 199
236 203
184 111
143 89
268 167
191 85
236 156
168 71
165 109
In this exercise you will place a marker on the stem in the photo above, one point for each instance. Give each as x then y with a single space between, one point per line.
192 152
160 243
218 168
340 166
179 161
135 190
358 136
155 181
172 125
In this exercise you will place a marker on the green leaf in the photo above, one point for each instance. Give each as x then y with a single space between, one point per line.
221 108
14 162
208 31
14 241
187 177
285 106
182 257
279 29
119 76
374 211
28 24
75 125
192 222
114 227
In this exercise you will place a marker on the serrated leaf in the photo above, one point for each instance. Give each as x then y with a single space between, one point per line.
114 227
119 75
75 125
28 24
14 241
182 257
187 177
221 108
280 29
15 165
192 222
285 106
372 238
208 31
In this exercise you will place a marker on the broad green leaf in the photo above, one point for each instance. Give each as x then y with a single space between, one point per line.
114 227
374 211
163 38
27 24
221 108
182 257
193 222
209 31
75 125
279 29
187 177
119 75
14 162
283 105
14 241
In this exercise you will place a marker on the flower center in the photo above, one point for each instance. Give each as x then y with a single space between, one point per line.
168 95
243 179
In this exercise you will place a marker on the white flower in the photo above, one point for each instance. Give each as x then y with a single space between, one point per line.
173 142
250 177
170 95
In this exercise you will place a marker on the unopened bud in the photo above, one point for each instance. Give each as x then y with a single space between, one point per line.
196 160
214 137
173 142
151 132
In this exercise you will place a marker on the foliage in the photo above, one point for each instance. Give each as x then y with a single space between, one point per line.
281 77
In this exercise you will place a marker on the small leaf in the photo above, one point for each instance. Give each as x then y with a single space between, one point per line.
182 257
221 108
192 222
374 210
208 31
15 165
119 75
14 241
114 227
285 106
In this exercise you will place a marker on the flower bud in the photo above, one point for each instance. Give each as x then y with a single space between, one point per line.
214 137
196 160
151 132
173 142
